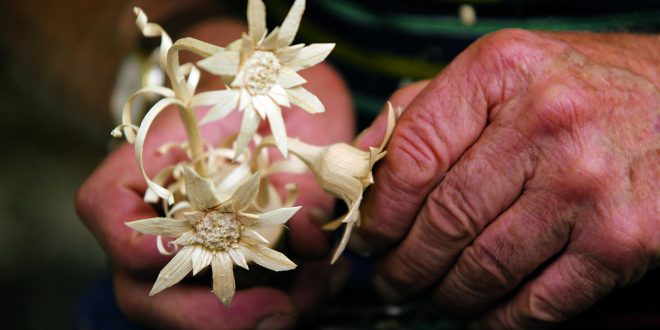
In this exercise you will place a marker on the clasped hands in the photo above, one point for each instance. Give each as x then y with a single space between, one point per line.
520 186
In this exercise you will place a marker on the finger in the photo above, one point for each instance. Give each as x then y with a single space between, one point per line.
524 237
442 121
565 288
314 283
189 306
483 183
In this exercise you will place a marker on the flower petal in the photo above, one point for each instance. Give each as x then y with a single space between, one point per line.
391 123
310 56
161 226
247 44
193 217
223 63
279 95
289 78
227 100
304 99
229 183
263 104
182 206
275 217
186 238
278 130
238 258
252 236
235 45
342 243
201 257
267 258
223 277
248 128
256 17
201 191
287 54
245 193
272 40
239 79
244 99
212 97
289 27
174 271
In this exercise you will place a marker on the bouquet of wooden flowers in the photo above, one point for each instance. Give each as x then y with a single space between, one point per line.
219 207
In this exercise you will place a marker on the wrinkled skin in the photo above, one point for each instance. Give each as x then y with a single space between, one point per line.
112 195
522 184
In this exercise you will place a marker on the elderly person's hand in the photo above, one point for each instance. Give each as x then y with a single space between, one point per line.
523 183
112 195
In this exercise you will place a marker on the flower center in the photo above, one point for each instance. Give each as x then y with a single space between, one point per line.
261 72
218 231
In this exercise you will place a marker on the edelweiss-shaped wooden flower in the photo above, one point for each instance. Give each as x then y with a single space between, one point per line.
218 233
262 73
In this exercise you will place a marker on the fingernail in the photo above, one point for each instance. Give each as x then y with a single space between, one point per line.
385 289
276 322
360 246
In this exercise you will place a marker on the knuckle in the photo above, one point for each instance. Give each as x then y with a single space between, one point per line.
545 306
420 145
493 269
588 175
581 280
557 105
409 273
508 48
587 277
448 214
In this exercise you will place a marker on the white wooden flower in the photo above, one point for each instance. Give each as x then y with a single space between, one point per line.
345 172
261 70
219 232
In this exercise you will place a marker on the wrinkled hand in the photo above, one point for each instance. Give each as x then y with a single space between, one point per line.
522 184
112 195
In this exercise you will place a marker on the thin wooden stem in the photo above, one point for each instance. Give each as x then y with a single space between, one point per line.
180 87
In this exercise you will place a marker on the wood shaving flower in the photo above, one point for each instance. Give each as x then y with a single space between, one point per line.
220 233
345 172
261 69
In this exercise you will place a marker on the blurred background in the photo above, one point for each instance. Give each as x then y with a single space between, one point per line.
47 257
